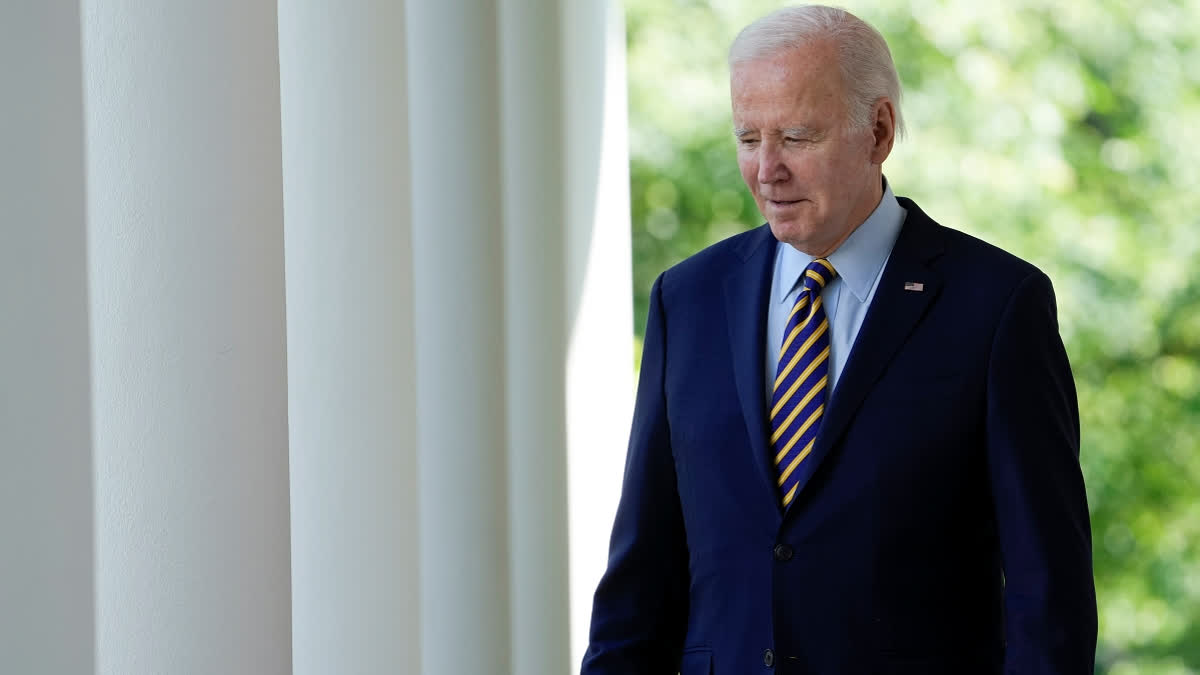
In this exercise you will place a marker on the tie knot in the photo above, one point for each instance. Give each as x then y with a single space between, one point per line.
818 273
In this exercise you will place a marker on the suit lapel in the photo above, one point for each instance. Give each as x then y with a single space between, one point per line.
746 291
894 312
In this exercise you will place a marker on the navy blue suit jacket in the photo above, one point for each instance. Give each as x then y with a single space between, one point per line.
945 529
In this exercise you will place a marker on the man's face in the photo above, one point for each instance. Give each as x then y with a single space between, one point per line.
814 178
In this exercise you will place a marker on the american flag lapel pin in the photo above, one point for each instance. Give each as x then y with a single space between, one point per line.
914 286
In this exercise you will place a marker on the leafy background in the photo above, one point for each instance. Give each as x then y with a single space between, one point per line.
1064 131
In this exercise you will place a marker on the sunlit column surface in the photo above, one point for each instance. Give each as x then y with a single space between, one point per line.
187 302
599 270
351 396
536 321
46 606
459 319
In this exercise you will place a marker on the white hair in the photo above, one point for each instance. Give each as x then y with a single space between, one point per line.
868 72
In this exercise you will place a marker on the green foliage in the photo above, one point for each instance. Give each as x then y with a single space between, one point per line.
1065 132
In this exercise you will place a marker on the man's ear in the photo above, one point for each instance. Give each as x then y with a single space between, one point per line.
883 129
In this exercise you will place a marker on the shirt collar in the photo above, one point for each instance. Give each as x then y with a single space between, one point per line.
860 258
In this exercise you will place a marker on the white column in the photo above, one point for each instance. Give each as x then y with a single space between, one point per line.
186 273
46 606
599 286
351 395
458 281
536 320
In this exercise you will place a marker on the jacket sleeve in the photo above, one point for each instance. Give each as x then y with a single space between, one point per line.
1038 492
639 613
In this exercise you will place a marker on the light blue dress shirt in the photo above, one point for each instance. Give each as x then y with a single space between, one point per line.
859 262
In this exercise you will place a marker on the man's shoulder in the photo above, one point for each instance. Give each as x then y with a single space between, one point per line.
961 254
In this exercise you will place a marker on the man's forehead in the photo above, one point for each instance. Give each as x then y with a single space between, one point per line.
818 55
787 92
792 103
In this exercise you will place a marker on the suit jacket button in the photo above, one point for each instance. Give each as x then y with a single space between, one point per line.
768 658
783 553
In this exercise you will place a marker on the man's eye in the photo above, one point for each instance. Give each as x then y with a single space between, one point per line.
747 141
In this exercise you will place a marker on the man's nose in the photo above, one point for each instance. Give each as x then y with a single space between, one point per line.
771 168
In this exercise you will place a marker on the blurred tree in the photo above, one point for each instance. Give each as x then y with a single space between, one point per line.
1065 132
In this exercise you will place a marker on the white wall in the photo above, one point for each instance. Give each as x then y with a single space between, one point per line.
454 132
188 350
600 296
46 606
351 363
535 307
455 327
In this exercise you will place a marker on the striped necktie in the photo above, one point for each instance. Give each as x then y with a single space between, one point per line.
801 380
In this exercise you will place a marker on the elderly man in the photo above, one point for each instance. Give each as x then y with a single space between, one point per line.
855 447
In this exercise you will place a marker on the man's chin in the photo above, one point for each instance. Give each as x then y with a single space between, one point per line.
806 237
794 232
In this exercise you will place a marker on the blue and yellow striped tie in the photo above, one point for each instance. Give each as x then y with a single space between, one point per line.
801 380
